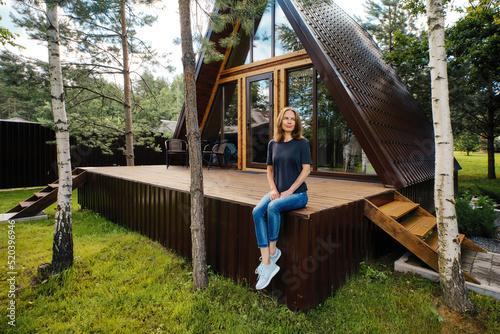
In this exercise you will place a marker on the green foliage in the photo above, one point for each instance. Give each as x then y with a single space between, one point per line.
467 142
92 32
478 220
6 37
125 283
410 59
230 13
473 44
98 122
24 87
371 273
384 18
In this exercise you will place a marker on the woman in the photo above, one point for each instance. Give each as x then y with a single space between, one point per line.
288 165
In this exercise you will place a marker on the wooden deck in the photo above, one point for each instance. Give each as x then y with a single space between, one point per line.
244 187
322 244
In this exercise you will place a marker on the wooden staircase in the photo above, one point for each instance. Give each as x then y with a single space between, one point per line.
47 196
411 226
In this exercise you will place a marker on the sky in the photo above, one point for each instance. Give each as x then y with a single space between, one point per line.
161 35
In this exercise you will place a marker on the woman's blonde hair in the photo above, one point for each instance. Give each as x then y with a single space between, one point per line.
279 134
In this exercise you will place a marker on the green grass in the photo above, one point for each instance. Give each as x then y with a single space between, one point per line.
122 282
473 176
10 198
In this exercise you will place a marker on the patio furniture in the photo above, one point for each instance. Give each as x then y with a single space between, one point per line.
176 146
215 150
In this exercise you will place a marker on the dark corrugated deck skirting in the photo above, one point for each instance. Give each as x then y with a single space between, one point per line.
322 244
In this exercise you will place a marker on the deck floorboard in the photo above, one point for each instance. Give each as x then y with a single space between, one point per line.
246 187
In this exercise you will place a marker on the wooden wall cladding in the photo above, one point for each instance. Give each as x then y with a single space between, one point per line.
321 251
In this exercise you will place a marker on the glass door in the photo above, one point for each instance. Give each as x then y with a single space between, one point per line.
259 118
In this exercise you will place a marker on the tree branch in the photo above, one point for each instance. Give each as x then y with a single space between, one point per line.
95 92
97 124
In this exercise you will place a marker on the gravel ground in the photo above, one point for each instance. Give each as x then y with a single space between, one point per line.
490 244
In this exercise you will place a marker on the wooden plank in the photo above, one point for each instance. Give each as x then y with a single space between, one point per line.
419 225
467 244
432 240
469 278
398 209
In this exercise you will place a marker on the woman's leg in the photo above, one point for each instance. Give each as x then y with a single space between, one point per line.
274 209
259 218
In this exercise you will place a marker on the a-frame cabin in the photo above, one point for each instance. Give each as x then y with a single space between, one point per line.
359 117
369 140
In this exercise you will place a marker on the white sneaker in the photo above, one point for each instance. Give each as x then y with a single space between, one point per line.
274 258
266 273
276 255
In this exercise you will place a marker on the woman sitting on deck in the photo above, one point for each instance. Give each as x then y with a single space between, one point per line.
288 165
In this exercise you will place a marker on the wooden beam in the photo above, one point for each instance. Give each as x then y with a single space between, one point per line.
241 124
467 244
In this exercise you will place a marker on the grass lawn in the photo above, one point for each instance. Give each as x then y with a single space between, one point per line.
122 282
473 175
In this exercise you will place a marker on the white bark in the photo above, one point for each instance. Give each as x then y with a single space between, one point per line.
450 273
62 251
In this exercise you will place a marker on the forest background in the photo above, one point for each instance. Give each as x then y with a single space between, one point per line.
94 95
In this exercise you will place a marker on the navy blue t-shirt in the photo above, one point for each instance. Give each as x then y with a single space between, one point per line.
287 159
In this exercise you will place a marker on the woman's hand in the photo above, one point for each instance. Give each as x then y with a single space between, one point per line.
274 194
286 193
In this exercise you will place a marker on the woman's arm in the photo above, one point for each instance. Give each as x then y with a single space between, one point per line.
274 191
306 170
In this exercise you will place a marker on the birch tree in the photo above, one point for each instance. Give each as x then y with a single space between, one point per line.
200 276
62 249
451 277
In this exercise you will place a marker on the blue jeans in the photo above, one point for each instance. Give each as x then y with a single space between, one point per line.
267 231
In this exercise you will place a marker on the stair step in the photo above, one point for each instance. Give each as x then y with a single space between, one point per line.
419 225
398 209
25 204
41 194
432 240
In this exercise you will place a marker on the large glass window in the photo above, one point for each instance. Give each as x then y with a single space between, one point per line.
272 36
338 150
332 142
286 39
300 97
262 37
223 121
259 117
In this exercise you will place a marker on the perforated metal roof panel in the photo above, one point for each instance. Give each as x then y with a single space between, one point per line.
393 131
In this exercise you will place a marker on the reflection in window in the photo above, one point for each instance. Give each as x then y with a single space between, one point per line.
300 97
223 121
338 150
262 36
265 34
259 119
286 40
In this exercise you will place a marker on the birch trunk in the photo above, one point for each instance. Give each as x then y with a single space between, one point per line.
200 277
127 100
62 249
455 294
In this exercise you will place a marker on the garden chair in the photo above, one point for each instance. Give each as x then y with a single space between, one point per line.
176 146
217 150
